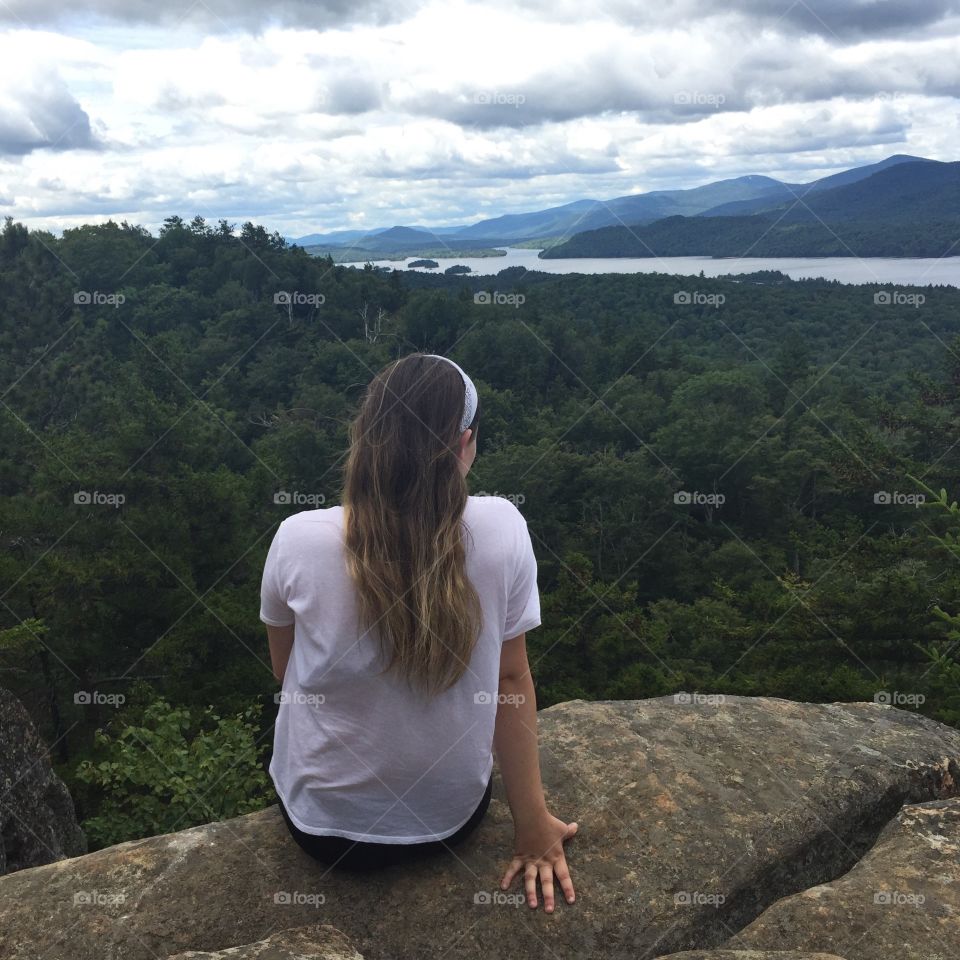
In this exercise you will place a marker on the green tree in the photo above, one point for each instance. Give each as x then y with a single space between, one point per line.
173 770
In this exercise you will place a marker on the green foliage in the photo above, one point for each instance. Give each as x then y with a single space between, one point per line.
944 665
23 639
201 396
174 770
763 236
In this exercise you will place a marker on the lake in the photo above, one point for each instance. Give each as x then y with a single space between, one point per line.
912 271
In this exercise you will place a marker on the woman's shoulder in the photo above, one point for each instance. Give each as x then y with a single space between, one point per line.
313 522
497 507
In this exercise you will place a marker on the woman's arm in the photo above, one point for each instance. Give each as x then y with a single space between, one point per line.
281 643
538 835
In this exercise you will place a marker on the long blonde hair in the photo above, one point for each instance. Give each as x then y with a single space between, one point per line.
403 500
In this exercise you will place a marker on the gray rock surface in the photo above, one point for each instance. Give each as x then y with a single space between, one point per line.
694 818
750 955
315 942
38 823
901 900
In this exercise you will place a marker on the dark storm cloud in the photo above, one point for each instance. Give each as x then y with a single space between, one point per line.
847 19
213 15
45 116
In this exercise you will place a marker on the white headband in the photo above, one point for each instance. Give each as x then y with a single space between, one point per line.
470 394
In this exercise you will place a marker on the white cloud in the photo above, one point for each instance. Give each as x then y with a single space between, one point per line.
446 112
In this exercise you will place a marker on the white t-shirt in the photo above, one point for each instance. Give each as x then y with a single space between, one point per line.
357 754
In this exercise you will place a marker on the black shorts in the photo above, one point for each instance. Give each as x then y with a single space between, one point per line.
363 855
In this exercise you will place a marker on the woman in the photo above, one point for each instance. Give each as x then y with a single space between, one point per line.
409 606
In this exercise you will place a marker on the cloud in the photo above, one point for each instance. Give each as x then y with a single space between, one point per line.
215 16
841 19
445 111
40 113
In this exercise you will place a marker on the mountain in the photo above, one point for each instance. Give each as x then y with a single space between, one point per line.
350 236
337 236
908 209
918 190
634 208
399 238
797 190
736 197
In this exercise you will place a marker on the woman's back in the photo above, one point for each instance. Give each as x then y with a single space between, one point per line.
357 753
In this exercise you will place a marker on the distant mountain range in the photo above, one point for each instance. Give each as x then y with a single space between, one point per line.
910 209
727 215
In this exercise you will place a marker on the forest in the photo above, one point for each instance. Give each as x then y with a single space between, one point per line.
762 236
733 486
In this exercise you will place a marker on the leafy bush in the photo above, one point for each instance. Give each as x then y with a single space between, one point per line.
174 771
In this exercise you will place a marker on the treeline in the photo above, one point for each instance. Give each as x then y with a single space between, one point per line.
715 475
764 236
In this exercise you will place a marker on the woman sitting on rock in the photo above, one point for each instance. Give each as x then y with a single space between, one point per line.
397 627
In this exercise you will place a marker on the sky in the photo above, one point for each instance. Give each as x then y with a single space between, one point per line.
312 116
